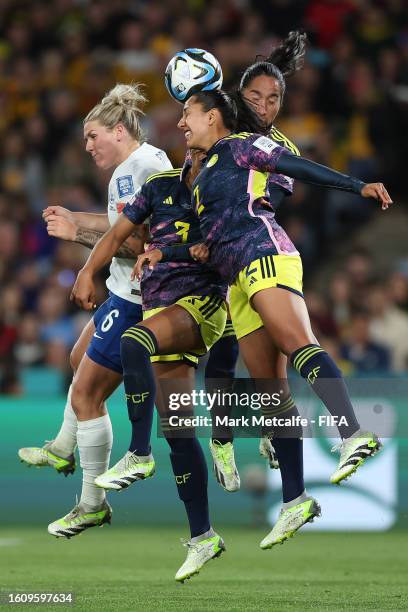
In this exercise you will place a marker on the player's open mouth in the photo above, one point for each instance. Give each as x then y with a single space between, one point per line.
187 134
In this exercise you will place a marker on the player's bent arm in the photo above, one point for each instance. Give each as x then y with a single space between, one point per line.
130 249
64 228
91 221
109 244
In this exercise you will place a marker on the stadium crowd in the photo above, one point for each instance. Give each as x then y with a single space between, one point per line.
347 108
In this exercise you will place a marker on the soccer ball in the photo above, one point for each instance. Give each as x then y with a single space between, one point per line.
191 71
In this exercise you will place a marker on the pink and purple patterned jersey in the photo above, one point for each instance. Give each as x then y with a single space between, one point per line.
166 200
230 196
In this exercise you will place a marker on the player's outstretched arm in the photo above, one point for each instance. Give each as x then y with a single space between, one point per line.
262 153
310 172
83 291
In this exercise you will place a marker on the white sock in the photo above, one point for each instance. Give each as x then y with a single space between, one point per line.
204 536
294 502
94 444
66 439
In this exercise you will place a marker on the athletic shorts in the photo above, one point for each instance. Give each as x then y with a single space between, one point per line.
111 320
210 314
284 271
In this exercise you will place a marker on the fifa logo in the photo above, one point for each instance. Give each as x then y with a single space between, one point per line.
137 398
313 375
182 479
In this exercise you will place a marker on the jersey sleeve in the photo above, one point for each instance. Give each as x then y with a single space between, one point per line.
308 171
140 208
256 152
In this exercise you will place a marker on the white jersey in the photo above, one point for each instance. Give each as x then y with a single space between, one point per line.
128 177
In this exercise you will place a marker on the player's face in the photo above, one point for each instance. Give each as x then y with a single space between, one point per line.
101 143
264 95
194 123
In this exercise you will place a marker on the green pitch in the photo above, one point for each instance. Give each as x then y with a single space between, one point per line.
133 569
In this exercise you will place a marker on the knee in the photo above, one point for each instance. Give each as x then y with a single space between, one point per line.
75 357
83 400
290 341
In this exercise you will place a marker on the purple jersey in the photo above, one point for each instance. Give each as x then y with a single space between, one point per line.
166 200
230 196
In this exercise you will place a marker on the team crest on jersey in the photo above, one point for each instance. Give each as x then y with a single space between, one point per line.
212 161
265 144
125 185
120 206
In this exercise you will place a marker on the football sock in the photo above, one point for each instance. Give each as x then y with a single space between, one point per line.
94 445
204 536
137 346
219 378
325 379
191 475
66 439
289 450
294 502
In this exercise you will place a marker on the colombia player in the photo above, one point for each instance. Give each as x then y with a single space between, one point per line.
257 259
184 315
262 86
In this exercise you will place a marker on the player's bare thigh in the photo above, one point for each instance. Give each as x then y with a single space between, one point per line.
81 345
175 330
92 385
285 318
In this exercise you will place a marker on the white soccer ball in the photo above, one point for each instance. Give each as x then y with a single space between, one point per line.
191 71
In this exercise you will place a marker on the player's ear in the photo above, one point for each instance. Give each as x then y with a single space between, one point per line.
212 116
119 131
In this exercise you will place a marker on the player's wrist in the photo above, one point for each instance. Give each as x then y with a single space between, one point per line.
87 270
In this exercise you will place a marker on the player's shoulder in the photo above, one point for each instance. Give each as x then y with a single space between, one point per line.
283 140
238 136
150 154
247 143
145 161
164 176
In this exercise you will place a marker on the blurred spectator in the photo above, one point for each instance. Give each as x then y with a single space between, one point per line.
340 299
366 356
389 326
29 350
347 108
321 318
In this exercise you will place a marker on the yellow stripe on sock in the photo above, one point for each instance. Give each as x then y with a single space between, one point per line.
309 356
302 354
139 332
142 341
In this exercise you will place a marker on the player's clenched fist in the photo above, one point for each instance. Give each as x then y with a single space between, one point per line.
59 211
61 227
150 259
199 252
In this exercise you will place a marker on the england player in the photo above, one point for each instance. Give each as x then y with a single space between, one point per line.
260 263
184 315
113 137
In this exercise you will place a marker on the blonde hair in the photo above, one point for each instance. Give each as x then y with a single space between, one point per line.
122 104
